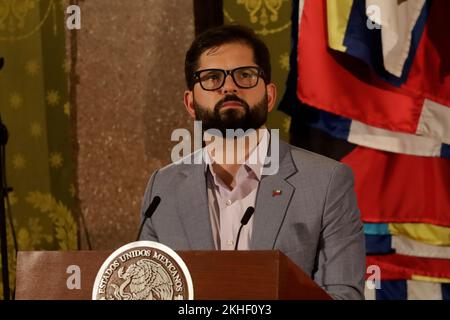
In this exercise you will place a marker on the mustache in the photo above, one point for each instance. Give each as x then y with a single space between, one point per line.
228 98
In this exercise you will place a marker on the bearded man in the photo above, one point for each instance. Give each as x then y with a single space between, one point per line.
306 208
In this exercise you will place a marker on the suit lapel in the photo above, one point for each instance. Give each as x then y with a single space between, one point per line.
270 209
271 206
192 202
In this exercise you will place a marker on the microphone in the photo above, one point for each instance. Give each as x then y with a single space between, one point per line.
148 213
245 218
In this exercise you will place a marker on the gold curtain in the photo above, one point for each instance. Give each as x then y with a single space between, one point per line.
35 107
271 19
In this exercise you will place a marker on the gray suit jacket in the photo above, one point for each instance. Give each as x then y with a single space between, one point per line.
315 221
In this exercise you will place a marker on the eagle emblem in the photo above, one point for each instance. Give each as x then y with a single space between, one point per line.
144 280
143 270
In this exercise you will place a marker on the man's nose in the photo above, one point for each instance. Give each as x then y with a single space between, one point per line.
229 85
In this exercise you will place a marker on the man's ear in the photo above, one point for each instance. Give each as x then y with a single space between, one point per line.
189 102
271 96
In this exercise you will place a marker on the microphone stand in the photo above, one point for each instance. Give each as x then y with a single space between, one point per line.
3 194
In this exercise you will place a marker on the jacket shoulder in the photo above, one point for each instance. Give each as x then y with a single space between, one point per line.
302 157
319 167
173 169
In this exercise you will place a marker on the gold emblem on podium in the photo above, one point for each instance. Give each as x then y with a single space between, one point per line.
143 270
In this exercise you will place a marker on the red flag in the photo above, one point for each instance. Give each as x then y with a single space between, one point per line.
326 84
401 188
430 72
396 266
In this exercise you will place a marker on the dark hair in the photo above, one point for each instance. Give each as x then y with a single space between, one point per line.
226 34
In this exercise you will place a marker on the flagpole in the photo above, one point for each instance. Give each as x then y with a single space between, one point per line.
3 194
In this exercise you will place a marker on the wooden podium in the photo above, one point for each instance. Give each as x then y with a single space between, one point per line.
216 275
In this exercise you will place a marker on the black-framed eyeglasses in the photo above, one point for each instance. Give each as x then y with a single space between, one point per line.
244 77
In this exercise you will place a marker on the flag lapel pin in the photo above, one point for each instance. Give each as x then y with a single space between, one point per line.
276 192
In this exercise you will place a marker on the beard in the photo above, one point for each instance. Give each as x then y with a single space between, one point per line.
242 118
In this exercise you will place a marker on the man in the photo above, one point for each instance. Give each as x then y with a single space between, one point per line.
306 208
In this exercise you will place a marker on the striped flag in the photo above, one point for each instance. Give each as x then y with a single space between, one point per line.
394 129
